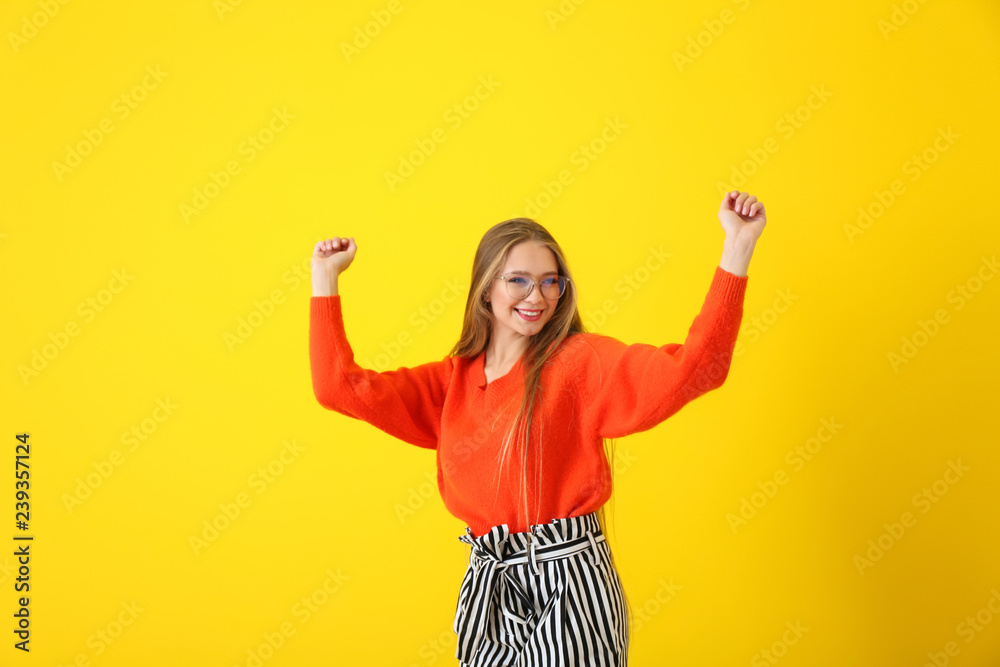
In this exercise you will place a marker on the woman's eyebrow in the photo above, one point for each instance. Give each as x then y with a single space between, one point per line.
547 273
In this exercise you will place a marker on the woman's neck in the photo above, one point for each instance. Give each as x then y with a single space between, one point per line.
503 354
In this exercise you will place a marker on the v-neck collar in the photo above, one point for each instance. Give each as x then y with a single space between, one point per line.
503 380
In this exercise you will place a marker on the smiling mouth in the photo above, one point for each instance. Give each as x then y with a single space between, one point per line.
529 314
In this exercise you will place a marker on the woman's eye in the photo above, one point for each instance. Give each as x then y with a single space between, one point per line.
519 281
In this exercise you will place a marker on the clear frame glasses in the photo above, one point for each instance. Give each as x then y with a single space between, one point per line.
519 287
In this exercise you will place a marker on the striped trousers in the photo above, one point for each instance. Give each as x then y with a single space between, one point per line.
549 596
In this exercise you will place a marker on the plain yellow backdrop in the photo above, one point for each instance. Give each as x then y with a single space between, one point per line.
168 168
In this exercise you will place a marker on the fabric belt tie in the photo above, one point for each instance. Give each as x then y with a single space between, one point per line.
490 576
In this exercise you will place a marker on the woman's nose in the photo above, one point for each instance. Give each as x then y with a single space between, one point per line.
535 298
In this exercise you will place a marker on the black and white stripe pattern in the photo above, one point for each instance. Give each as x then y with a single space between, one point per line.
571 613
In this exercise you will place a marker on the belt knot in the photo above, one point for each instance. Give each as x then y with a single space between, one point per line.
492 586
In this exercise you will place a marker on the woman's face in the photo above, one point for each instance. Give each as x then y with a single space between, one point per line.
533 261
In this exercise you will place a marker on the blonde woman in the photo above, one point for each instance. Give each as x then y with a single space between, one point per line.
520 412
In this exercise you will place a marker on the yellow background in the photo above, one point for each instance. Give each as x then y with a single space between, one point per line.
238 271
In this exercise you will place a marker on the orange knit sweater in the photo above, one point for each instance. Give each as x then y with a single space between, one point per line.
594 387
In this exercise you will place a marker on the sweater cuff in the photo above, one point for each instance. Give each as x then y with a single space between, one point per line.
729 287
325 307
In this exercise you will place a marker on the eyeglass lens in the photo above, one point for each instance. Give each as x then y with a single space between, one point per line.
552 288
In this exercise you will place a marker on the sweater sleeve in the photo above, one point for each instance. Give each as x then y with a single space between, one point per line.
405 403
633 388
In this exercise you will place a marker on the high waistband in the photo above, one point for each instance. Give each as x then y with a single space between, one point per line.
499 541
543 541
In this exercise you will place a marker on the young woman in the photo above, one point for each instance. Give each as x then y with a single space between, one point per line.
519 413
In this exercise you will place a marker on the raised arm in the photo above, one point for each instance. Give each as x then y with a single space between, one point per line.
635 387
405 403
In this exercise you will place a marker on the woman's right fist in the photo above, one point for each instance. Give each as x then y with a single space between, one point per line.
333 256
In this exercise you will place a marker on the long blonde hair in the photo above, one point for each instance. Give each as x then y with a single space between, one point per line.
477 328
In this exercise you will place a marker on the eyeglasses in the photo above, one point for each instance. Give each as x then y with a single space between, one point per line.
519 287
